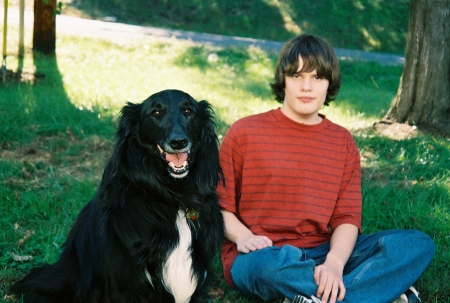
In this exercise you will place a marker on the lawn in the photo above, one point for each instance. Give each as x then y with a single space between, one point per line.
370 25
57 133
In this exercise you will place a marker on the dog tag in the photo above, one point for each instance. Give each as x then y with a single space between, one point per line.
191 214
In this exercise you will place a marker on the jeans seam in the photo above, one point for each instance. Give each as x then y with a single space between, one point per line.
375 258
234 278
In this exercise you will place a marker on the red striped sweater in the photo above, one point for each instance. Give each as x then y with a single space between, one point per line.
291 182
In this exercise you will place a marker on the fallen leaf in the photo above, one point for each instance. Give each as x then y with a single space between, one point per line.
21 258
216 293
28 234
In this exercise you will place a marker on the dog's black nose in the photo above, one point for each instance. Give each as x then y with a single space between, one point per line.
178 143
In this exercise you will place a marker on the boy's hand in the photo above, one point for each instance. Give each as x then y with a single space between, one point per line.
252 242
330 283
245 239
329 275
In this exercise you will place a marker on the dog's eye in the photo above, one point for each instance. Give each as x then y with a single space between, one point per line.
156 113
187 111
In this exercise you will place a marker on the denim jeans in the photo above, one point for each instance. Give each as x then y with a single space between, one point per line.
381 268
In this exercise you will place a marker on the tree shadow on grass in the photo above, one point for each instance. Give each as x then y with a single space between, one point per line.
364 24
44 109
51 159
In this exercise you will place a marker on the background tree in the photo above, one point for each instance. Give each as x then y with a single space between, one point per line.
44 28
423 97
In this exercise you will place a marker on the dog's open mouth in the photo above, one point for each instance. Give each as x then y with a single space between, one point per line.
178 162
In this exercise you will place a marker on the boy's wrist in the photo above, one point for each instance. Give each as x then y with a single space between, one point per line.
335 261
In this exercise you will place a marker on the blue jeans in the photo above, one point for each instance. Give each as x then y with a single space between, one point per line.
381 268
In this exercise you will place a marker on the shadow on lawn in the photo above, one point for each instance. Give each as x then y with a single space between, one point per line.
40 129
42 108
57 109
346 24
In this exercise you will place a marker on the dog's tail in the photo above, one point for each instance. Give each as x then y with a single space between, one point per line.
44 285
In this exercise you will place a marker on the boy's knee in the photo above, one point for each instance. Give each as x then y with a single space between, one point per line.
424 243
270 269
414 241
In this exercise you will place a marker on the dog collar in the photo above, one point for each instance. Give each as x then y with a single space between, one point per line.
191 214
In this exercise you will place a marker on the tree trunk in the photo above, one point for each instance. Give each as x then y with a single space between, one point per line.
44 30
423 97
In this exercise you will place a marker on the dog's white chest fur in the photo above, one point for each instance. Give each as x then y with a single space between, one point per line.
178 276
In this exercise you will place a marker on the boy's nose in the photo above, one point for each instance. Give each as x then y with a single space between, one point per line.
306 85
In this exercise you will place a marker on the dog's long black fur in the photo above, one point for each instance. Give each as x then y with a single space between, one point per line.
117 248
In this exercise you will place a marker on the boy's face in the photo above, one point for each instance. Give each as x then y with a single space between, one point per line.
305 94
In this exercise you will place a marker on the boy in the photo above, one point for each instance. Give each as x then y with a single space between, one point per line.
292 199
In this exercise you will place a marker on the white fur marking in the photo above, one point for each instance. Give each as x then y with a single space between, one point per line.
149 277
178 275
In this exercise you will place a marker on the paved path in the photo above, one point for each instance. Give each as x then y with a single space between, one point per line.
102 29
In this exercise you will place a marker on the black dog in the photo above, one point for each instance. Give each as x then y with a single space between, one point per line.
154 225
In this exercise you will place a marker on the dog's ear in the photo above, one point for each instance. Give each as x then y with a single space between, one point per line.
208 168
129 119
128 123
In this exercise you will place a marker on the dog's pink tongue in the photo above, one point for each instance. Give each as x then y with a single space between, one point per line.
177 159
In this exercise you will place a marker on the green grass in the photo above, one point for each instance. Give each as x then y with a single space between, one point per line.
57 134
370 25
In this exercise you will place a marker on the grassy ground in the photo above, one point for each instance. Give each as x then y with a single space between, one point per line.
364 24
370 25
57 134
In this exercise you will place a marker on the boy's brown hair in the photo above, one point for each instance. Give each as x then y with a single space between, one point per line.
316 54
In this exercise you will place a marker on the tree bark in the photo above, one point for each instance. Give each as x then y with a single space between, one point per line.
423 97
44 30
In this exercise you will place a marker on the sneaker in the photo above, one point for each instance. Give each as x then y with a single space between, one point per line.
301 299
298 299
410 296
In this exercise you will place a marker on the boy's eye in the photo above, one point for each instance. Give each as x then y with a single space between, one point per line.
296 76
